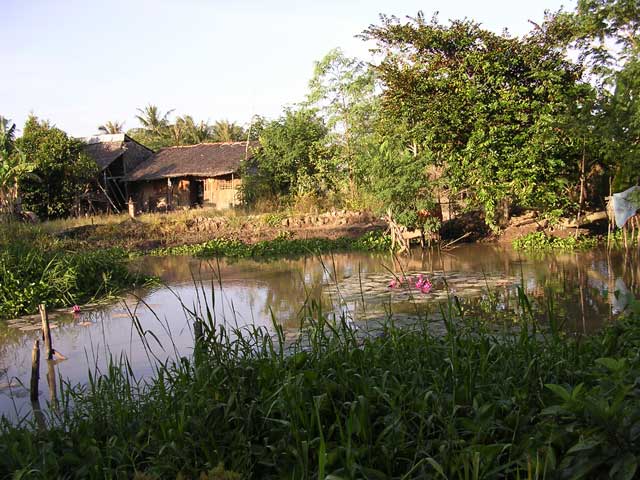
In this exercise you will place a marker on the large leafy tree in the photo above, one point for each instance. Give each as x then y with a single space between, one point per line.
343 89
606 33
293 157
490 111
64 171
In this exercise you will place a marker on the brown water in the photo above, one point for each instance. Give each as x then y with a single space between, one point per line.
588 290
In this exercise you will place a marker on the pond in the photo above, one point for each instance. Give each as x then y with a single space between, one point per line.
588 289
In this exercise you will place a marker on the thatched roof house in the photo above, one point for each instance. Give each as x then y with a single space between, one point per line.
189 176
116 156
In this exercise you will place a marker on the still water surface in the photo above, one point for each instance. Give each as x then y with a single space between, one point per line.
588 290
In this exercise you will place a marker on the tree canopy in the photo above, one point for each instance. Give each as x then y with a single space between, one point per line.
491 110
62 169
293 157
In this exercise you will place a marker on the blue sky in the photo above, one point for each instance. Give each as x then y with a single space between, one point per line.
81 63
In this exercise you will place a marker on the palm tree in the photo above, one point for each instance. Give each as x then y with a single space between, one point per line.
176 133
225 131
153 120
194 133
110 127
14 167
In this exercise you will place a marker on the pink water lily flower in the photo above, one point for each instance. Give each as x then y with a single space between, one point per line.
394 283
423 284
75 309
426 286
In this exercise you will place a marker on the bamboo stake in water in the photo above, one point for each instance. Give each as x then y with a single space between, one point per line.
46 331
35 370
51 381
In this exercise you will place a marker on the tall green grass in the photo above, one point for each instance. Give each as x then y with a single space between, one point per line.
479 402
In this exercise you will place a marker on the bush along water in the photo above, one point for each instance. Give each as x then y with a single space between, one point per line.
470 403
282 245
29 276
541 242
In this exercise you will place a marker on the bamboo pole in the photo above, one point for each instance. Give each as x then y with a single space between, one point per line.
35 370
46 331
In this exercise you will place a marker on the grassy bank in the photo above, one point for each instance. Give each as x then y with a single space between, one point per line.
541 242
30 275
474 403
280 246
66 262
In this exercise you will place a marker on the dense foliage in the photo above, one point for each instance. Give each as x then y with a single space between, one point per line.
62 172
490 110
293 158
14 168
30 276
523 402
222 247
541 242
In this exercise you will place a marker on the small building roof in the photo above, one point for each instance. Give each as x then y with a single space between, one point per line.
105 149
202 160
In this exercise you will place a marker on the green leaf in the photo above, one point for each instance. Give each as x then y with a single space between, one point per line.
624 468
559 391
583 445
611 363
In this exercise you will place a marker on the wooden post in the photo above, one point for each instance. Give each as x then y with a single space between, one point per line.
35 370
132 208
51 381
46 331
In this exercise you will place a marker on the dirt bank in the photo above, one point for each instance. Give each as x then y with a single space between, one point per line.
173 230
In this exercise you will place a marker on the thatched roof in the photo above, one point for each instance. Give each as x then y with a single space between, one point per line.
105 149
202 160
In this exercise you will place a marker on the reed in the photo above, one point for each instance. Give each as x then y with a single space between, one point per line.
520 400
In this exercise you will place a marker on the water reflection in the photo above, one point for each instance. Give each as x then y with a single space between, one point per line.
587 289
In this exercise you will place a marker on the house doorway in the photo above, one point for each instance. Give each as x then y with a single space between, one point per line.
196 191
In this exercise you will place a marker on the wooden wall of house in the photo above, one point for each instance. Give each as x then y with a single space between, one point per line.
222 192
150 196
155 195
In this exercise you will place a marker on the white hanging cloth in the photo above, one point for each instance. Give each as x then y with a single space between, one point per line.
625 205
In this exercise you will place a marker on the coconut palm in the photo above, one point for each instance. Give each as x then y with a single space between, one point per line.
225 131
194 132
153 120
176 133
110 127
